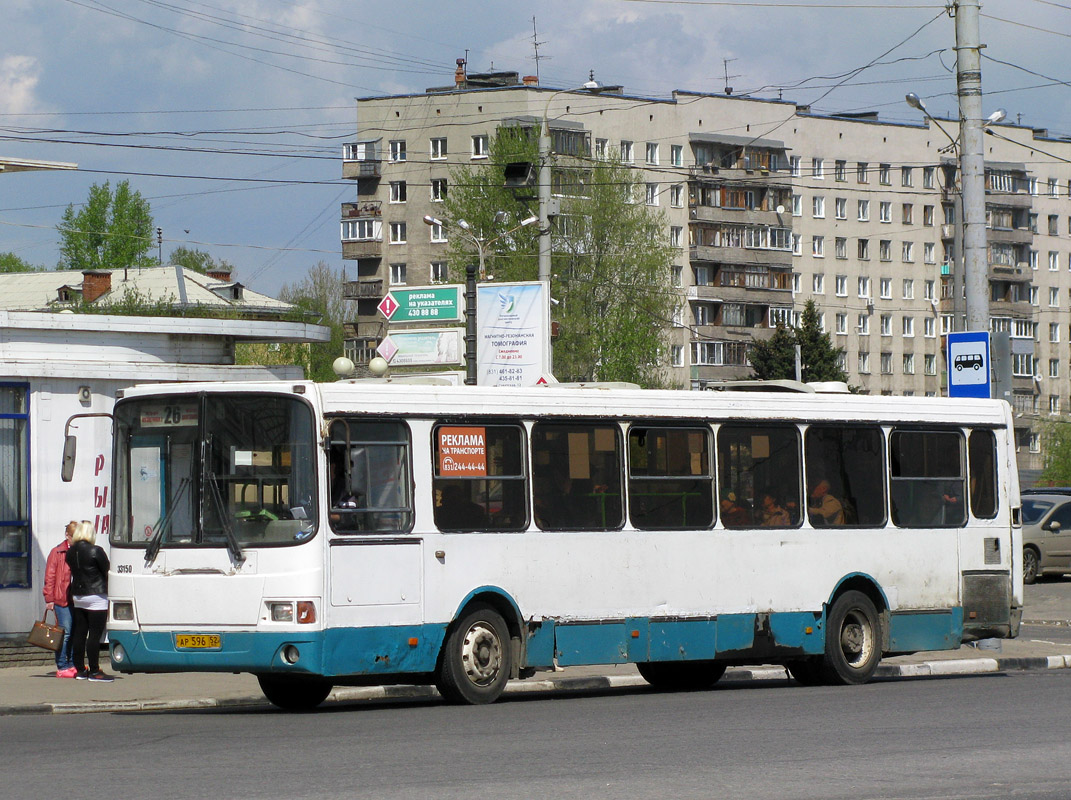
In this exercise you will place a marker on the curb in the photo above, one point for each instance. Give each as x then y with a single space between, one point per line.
940 668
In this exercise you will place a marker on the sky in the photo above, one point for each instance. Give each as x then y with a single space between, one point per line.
229 116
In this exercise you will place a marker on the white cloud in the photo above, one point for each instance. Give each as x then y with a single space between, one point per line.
18 79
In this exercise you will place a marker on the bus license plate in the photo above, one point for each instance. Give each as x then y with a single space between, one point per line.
186 641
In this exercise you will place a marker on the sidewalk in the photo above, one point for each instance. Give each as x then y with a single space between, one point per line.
36 690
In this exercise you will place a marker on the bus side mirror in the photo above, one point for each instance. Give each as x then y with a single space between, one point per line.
70 448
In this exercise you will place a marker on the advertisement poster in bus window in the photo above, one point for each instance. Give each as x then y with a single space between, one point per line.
462 451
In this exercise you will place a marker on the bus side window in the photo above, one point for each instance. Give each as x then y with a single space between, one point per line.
479 481
982 458
671 481
926 479
370 476
576 476
753 462
851 461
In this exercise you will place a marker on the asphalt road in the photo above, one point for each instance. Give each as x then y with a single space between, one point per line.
997 736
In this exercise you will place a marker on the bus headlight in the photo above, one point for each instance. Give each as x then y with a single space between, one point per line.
282 612
123 611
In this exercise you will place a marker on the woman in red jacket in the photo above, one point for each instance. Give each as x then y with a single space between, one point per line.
57 598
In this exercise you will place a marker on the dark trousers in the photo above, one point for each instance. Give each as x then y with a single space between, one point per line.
87 627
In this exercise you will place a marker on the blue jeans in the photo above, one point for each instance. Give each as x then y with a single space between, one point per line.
63 655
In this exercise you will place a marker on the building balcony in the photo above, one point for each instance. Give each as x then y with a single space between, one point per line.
356 170
363 290
1010 235
1009 199
738 255
368 208
740 294
362 248
700 213
1020 273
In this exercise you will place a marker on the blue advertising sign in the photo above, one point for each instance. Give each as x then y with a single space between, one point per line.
967 356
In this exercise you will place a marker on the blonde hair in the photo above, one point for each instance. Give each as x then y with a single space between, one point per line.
84 532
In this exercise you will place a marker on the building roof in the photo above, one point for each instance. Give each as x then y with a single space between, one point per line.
27 164
40 291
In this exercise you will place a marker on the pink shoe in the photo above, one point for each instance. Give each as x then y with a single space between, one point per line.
70 672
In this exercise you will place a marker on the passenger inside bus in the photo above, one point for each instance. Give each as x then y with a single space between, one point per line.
733 514
774 515
823 508
455 511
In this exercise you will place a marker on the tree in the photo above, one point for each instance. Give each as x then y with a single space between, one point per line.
1057 450
197 260
110 231
775 358
9 262
320 292
611 262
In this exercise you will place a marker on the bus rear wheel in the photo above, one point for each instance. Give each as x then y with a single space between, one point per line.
475 662
294 692
681 675
853 640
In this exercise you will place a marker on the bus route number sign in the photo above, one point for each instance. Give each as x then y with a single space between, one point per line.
169 416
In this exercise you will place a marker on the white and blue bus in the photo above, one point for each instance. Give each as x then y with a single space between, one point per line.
370 532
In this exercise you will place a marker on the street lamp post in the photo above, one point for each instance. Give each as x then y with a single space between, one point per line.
470 283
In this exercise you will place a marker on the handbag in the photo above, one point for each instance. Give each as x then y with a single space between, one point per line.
50 637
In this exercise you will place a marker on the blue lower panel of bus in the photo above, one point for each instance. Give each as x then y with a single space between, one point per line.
415 649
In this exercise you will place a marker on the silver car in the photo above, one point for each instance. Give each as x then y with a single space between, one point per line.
1046 535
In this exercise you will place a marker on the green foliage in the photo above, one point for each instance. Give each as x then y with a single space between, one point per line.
611 262
319 293
9 262
197 260
110 231
1057 454
775 358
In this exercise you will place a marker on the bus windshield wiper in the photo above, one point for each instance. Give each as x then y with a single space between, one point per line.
163 524
235 549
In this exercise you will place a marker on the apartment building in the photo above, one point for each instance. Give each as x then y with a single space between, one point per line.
770 205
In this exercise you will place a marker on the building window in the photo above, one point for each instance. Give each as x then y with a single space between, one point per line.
676 155
818 246
1053 190
886 324
864 210
397 150
797 205
818 167
676 355
863 324
929 253
438 190
1054 332
438 149
1054 225
884 250
439 272
357 230
885 211
397 274
927 177
885 288
794 166
818 207
840 208
626 151
909 289
864 287
884 175
1054 404
675 235
600 149
929 364
14 486
927 216
1054 261
842 323
479 146
397 191
795 283
886 363
862 172
929 327
908 325
840 169
907 176
909 363
818 283
864 363
438 233
676 195
928 288
652 154
842 285
1032 185
908 214
651 195
1054 368
907 252
863 247
1033 256
1054 297
676 274
841 247
797 244
397 233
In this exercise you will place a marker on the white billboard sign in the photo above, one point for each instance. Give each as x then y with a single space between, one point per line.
422 347
513 333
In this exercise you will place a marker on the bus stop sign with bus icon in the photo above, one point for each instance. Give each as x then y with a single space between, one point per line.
968 364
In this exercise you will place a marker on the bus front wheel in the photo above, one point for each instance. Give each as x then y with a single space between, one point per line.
294 692
681 675
475 662
853 640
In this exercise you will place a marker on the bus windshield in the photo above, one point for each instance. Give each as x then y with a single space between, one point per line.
246 461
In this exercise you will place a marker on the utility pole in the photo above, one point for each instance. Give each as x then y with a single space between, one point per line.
972 163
